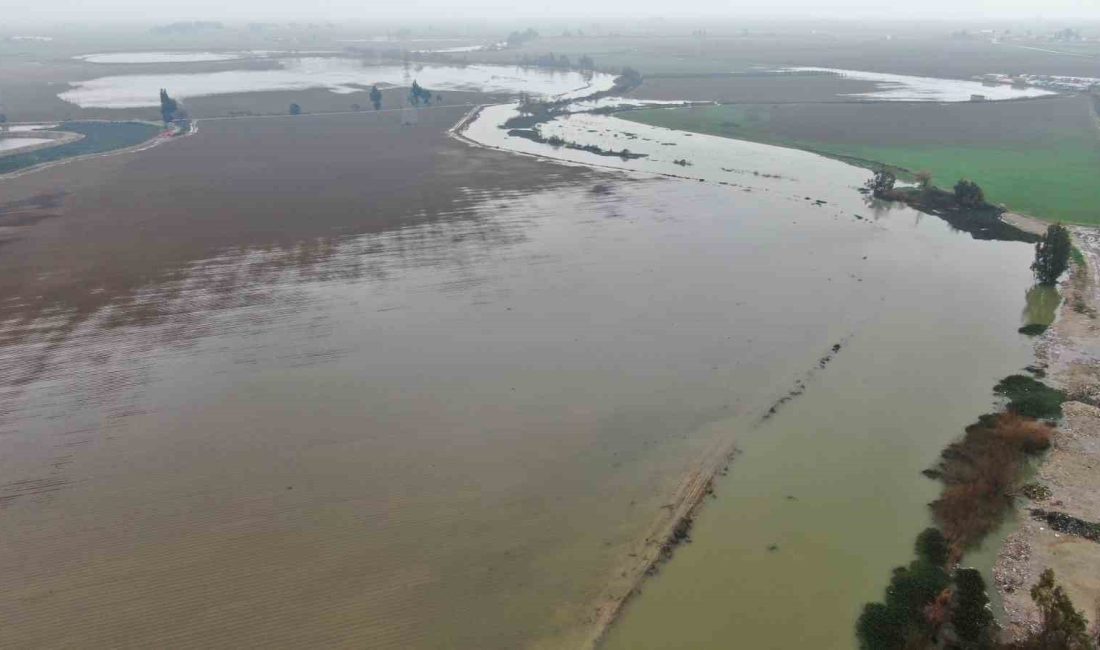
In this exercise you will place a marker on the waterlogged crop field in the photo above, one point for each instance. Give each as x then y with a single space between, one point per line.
1040 157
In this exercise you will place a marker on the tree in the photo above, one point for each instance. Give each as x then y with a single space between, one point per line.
882 183
971 616
900 619
1052 255
969 194
295 109
419 94
376 97
924 179
1063 627
168 107
932 547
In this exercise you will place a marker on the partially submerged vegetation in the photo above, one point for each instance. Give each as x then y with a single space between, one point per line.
965 207
927 605
533 112
554 141
980 473
1030 398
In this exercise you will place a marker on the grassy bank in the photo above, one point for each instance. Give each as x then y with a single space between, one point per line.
99 137
1037 157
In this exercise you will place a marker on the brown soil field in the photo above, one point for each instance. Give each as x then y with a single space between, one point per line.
70 247
216 526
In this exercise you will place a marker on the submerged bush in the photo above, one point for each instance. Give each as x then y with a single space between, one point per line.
1033 329
901 620
1029 397
980 473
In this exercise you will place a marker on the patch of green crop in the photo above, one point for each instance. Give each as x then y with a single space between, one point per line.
1050 177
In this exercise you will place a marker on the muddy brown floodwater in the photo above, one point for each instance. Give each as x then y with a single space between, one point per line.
331 381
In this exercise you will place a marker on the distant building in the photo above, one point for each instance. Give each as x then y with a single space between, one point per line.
977 98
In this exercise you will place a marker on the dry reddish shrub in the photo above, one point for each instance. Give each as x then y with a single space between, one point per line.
980 473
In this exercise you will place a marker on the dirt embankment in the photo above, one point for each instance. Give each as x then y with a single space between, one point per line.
1070 354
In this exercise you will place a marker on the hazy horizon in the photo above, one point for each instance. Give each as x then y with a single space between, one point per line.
61 12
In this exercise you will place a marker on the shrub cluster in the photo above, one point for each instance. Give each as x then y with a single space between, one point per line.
980 473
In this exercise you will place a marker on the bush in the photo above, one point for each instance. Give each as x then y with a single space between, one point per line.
969 194
1035 491
980 472
1033 329
1029 397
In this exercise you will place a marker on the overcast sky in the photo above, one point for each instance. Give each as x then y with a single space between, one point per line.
437 10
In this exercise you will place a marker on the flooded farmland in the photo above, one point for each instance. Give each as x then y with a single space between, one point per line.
345 411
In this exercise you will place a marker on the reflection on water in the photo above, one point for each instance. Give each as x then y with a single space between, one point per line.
907 88
162 57
8 145
1041 305
338 75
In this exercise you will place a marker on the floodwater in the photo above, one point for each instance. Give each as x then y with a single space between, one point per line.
23 128
907 88
454 432
827 496
162 57
338 75
15 144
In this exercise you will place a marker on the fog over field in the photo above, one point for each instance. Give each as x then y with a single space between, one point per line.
439 12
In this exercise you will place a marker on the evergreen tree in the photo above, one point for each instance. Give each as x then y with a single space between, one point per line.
1063 627
1052 255
971 616
168 106
931 546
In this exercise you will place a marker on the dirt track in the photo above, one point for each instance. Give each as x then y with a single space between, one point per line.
1070 352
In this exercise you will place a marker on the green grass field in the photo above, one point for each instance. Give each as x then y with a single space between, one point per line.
98 138
1029 156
